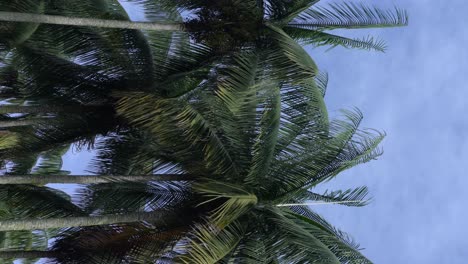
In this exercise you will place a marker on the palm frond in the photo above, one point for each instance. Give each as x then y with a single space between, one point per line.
319 38
20 164
250 250
349 15
182 67
157 115
290 60
238 94
112 244
50 74
80 8
111 54
170 118
198 125
326 226
137 55
317 158
61 130
8 139
302 246
351 145
128 152
343 251
235 201
122 197
210 244
265 143
25 201
321 80
284 11
51 161
236 76
349 197
303 114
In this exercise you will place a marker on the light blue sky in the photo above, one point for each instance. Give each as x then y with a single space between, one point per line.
416 93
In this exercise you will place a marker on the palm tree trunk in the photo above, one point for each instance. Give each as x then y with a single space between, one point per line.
18 123
91 22
76 221
33 254
88 179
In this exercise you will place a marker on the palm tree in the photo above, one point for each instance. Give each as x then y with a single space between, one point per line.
270 26
77 65
273 28
271 142
262 146
66 76
242 127
300 19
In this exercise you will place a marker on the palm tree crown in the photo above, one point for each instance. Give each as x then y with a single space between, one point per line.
251 161
251 144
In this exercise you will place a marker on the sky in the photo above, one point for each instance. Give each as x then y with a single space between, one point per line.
416 93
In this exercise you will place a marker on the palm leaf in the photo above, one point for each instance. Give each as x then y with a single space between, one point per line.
349 197
112 244
303 113
302 245
326 226
290 60
349 15
209 244
351 146
172 118
284 11
26 201
319 38
235 201
250 250
265 142
127 152
8 139
316 158
238 95
344 252
321 80
51 161
121 197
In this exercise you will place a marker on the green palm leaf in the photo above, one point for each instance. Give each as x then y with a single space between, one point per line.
291 60
349 15
319 38
343 251
133 197
350 197
209 244
266 140
235 201
302 245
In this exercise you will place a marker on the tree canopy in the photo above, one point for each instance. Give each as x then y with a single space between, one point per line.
210 136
